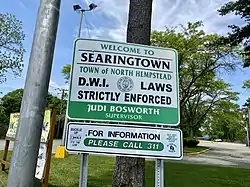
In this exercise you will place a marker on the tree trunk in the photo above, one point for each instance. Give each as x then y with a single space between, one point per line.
191 134
130 172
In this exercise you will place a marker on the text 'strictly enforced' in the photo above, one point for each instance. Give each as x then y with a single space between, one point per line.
124 82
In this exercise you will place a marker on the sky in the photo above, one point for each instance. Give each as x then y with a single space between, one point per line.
108 22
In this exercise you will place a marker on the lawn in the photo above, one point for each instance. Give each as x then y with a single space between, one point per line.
194 149
65 173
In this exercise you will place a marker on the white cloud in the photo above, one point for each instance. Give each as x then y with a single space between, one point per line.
165 13
22 4
55 89
109 20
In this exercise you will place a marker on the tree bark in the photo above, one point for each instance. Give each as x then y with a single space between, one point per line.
130 172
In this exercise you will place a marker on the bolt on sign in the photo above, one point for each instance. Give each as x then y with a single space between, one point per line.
133 141
123 82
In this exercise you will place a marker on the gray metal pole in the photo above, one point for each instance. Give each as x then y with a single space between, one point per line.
159 172
80 25
248 123
24 157
247 135
84 157
66 119
83 171
64 130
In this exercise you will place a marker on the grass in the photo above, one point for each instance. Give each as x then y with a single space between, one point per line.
65 173
194 149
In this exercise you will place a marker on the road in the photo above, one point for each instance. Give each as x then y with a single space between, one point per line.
222 153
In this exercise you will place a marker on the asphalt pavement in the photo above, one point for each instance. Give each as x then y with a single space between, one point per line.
222 153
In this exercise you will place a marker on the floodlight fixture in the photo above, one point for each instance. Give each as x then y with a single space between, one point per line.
92 6
77 7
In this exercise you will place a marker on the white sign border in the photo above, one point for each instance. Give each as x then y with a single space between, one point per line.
127 155
117 121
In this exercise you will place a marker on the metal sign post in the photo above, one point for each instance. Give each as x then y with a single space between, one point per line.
83 170
159 173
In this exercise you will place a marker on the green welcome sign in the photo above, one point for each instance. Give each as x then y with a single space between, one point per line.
123 82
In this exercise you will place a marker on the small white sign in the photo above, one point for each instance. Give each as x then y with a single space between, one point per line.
147 142
41 161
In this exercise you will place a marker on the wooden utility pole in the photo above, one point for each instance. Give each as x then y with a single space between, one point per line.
130 172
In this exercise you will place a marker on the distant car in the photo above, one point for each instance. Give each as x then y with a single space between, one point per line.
206 138
218 140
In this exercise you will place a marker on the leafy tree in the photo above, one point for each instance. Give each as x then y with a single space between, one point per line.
11 45
239 34
200 57
226 122
3 122
246 84
66 72
11 103
198 108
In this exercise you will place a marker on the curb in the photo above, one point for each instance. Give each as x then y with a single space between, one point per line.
197 153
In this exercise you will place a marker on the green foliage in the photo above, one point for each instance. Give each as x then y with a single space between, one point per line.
226 122
190 142
239 35
184 142
11 45
247 103
11 103
4 119
200 57
246 84
55 102
66 72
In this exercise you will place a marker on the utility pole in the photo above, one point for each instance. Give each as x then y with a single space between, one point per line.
248 123
130 172
24 158
60 111
62 98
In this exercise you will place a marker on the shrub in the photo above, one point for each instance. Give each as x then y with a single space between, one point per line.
184 142
190 142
